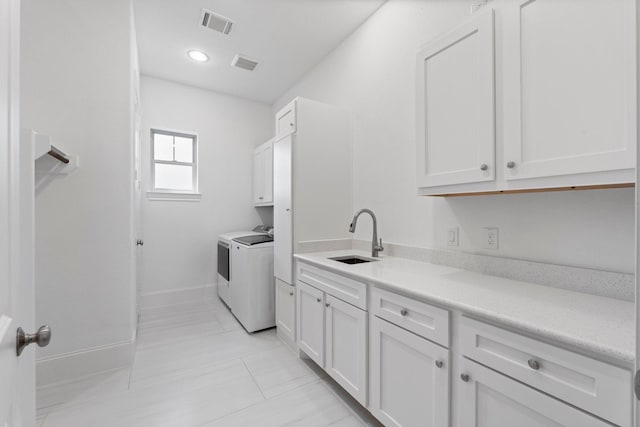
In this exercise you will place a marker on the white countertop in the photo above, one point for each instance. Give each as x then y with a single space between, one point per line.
588 322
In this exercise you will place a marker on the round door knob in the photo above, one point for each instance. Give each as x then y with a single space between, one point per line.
42 338
465 377
291 124
439 363
484 167
533 364
511 165
404 312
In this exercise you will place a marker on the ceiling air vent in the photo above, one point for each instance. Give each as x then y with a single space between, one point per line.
244 62
216 22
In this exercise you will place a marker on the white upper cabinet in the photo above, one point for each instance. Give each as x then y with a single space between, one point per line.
263 175
569 87
559 87
455 106
286 119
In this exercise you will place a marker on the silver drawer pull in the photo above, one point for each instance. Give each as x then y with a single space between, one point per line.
404 312
439 363
484 167
318 299
533 364
465 377
290 294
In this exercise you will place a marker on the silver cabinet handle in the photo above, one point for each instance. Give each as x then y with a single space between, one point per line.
288 210
484 167
261 198
290 294
511 165
291 124
533 364
465 377
439 363
42 338
318 299
326 304
404 312
139 242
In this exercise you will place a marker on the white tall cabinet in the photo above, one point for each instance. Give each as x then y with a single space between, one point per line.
312 190
554 78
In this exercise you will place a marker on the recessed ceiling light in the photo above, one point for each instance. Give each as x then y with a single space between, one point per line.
198 55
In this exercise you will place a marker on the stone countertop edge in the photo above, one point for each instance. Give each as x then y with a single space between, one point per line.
594 324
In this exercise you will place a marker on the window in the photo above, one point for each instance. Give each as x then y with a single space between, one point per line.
174 166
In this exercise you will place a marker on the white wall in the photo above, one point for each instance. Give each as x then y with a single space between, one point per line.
373 73
76 87
180 237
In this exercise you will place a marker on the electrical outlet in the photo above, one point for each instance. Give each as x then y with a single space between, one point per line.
452 236
491 238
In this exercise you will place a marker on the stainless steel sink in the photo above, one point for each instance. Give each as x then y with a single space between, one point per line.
352 259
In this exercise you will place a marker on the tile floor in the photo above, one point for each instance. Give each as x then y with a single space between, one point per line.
195 366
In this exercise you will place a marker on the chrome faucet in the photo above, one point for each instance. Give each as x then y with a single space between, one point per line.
375 246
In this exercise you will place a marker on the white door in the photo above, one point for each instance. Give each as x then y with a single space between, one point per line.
455 111
267 173
409 378
310 322
258 175
346 346
569 87
282 209
137 194
17 375
487 398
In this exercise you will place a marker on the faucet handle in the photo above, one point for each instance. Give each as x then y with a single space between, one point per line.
380 247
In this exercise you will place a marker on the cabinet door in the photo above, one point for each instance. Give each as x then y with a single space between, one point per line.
346 346
310 322
267 174
282 210
455 106
286 119
285 309
488 398
409 378
569 87
258 175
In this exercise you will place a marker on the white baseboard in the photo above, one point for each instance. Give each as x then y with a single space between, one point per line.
177 296
72 366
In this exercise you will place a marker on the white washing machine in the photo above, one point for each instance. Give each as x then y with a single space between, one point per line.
252 286
224 261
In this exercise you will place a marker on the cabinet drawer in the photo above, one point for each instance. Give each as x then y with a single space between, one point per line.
423 319
595 386
348 290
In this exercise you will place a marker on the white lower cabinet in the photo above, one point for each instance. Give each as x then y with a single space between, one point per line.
310 321
333 334
396 361
409 378
346 347
285 310
487 398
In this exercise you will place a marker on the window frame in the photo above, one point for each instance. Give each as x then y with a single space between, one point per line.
193 164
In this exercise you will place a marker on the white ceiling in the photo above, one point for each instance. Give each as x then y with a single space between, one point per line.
288 37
